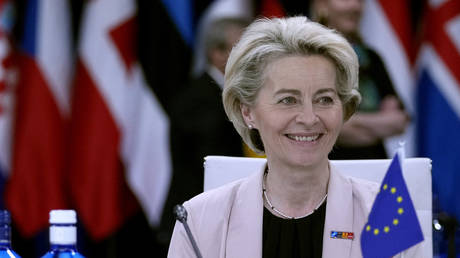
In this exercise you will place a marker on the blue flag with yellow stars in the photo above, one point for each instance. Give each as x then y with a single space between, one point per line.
392 225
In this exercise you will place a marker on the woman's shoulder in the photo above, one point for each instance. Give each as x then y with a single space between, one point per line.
209 217
357 184
210 211
364 184
364 190
218 198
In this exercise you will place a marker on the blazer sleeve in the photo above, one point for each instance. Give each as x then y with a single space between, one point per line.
180 245
208 218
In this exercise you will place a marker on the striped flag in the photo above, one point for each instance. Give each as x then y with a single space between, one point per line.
386 28
7 87
438 100
119 139
36 183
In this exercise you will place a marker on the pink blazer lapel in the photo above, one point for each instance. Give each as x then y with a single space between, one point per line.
339 216
244 237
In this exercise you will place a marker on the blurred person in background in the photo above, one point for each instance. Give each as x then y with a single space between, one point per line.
199 126
380 114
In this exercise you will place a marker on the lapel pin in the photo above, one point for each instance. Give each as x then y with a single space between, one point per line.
342 235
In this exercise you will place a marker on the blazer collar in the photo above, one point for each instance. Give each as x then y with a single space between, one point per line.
339 215
244 237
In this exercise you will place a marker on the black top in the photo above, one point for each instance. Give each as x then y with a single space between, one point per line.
298 238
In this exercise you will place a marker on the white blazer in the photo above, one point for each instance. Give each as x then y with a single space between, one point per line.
227 221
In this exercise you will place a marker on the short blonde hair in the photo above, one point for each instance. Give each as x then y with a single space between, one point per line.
266 40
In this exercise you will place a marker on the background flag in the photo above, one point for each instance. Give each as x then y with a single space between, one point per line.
392 225
120 141
181 13
36 184
272 8
438 100
7 88
386 27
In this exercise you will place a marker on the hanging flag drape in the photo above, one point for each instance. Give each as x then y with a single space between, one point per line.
272 8
120 141
386 28
7 87
438 100
36 184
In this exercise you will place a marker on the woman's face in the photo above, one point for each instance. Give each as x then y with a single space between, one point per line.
297 111
343 15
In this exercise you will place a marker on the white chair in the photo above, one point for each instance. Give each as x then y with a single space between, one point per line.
219 170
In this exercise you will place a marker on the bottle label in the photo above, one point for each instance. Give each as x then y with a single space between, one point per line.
63 235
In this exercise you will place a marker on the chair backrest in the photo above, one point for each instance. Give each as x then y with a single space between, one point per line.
219 170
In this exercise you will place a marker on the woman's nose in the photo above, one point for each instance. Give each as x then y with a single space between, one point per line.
307 115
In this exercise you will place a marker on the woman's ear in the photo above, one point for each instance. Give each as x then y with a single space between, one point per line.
247 115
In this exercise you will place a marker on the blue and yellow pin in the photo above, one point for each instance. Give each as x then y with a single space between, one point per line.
342 235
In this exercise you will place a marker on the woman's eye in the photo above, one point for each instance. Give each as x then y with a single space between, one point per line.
288 100
326 100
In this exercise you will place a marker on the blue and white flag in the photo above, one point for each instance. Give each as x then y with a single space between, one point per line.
438 100
392 225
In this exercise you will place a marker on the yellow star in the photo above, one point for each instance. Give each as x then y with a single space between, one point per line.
400 211
385 186
393 190
368 228
399 199
376 231
386 229
395 222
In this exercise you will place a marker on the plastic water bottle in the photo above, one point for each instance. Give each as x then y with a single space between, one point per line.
5 235
63 234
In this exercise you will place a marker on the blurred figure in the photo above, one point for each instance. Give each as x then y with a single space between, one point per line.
380 114
199 126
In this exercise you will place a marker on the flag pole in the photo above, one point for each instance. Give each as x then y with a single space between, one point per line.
402 155
401 150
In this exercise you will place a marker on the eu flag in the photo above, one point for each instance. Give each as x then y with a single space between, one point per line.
392 224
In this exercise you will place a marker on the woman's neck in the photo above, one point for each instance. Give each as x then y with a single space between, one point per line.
297 191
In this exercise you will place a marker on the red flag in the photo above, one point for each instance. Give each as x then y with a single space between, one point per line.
119 133
36 184
386 28
272 8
